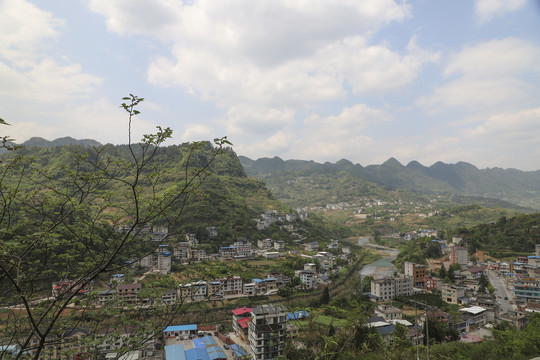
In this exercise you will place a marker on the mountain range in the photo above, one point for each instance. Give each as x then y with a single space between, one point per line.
521 188
512 185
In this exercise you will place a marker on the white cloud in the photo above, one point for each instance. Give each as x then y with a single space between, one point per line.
24 29
340 136
478 94
520 128
494 58
197 132
26 68
43 93
490 76
486 10
263 62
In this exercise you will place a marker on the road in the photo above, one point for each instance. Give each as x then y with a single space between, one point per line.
500 291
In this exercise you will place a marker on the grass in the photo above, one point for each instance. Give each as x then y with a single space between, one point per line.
323 320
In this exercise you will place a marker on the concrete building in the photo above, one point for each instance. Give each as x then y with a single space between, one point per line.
433 283
383 289
106 296
417 272
265 244
527 290
308 279
267 329
128 293
183 332
459 255
388 312
231 285
403 286
240 321
164 262
451 293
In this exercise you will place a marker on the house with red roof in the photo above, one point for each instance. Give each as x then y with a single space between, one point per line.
241 317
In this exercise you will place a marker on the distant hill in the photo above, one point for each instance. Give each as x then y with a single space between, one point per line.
518 187
227 198
41 142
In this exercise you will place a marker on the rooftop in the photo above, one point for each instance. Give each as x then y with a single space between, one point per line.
190 327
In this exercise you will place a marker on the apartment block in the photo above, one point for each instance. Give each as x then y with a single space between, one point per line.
128 293
417 272
388 288
267 332
459 255
451 293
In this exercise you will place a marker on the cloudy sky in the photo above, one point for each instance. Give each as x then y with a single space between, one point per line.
319 80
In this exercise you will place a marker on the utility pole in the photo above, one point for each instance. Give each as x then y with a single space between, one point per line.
427 332
427 307
416 328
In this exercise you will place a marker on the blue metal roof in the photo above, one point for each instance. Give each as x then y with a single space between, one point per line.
196 354
204 341
257 280
215 352
190 327
297 315
238 350
175 352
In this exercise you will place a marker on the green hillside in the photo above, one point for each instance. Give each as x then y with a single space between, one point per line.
506 237
518 190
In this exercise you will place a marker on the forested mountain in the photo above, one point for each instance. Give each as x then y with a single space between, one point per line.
41 142
515 186
224 196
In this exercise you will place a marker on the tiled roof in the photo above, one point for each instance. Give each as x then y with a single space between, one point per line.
241 311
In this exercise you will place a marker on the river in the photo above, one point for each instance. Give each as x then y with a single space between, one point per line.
378 268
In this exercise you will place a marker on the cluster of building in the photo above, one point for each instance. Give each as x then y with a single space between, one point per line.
89 343
477 309
522 277
272 216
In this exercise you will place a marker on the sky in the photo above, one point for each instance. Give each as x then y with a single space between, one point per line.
363 80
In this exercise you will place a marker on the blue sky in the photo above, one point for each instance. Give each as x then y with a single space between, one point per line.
315 80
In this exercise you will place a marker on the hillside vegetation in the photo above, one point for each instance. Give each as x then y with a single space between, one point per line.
510 185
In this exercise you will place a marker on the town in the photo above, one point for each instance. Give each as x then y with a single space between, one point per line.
474 294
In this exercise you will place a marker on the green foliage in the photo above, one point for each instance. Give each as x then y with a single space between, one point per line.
506 237
60 214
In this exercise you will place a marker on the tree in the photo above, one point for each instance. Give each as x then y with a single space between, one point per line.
483 283
366 283
442 272
325 296
80 221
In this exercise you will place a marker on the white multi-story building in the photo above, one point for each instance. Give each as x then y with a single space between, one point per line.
194 291
181 253
403 286
265 243
231 285
383 289
308 279
164 262
388 288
